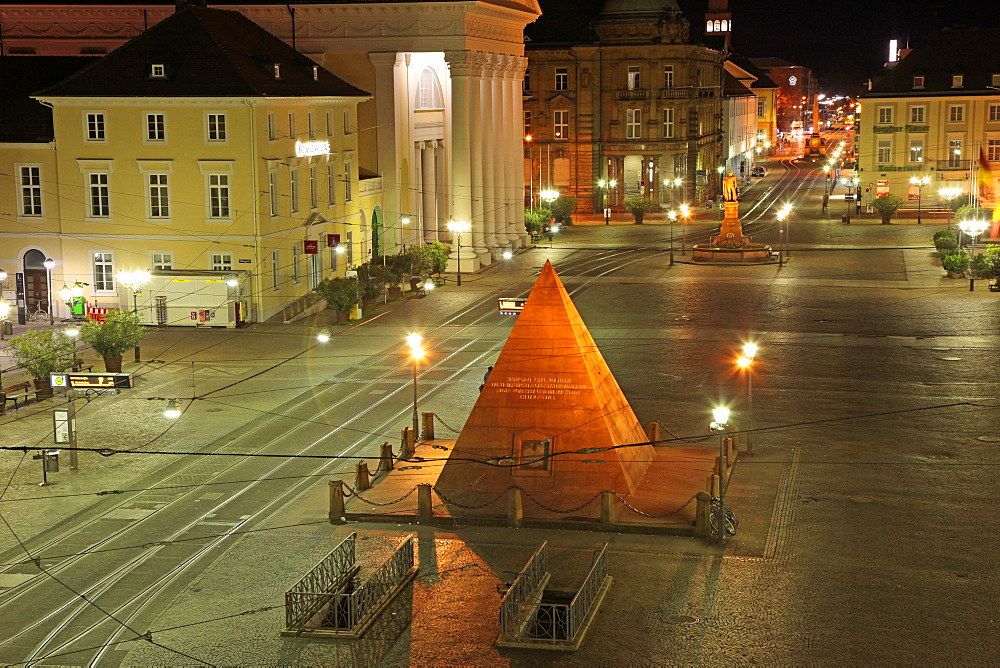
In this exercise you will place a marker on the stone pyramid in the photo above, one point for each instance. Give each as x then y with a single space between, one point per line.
550 392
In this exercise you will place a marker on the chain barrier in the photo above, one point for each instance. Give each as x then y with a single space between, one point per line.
455 503
446 425
636 510
557 511
356 494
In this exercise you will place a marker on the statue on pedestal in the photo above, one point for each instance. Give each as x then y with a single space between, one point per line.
730 192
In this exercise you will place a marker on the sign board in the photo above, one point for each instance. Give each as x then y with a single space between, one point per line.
61 421
849 197
332 240
310 246
243 261
510 305
91 381
304 148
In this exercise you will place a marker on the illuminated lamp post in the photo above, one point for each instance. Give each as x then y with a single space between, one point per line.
720 423
745 363
49 263
416 353
672 215
685 216
919 183
606 186
458 228
948 194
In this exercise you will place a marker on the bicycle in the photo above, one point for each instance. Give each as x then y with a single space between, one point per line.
38 315
713 518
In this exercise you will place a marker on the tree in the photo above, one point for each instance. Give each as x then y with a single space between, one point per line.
536 219
887 205
638 207
562 209
341 294
42 352
120 331
968 212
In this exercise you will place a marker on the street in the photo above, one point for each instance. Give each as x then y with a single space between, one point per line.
875 404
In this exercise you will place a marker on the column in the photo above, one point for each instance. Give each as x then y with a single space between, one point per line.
428 191
513 126
440 177
477 237
461 65
655 177
491 121
386 122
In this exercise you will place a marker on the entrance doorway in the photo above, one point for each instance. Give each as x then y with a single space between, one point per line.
378 242
36 284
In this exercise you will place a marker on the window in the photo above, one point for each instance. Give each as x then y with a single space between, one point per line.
217 127
272 191
296 258
668 76
163 260
885 115
633 123
527 123
333 258
954 152
429 91
291 125
104 271
157 71
956 113
159 196
221 261
347 182
218 195
350 248
315 271
275 269
329 124
994 113
668 123
293 189
993 150
99 195
272 128
761 107
313 189
916 150
331 185
884 152
917 114
276 68
957 80
526 82
30 177
95 126
347 122
156 127
311 125
560 124
634 80
562 78
918 82
995 79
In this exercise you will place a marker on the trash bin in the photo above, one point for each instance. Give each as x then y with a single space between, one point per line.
8 327
845 219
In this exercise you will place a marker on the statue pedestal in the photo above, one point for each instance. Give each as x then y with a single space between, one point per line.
731 247
731 227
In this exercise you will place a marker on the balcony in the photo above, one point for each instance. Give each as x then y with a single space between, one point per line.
633 94
953 165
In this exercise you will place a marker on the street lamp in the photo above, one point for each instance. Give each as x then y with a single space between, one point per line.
417 353
919 183
323 335
607 186
173 410
685 215
49 263
948 194
72 332
134 281
745 362
4 312
783 233
973 228
720 422
672 215
458 228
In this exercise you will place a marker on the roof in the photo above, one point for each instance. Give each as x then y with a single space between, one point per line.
22 119
639 6
972 52
564 23
763 81
769 62
732 87
206 53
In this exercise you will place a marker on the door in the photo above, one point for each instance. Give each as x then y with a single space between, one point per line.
36 285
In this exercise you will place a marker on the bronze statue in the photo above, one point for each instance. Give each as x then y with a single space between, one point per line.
730 192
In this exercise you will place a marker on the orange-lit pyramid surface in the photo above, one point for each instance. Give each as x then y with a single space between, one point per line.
550 392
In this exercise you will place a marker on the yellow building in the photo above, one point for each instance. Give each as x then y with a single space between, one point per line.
207 145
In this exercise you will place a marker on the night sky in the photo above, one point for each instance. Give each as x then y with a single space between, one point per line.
844 42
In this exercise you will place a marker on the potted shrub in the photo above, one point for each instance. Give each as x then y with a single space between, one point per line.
372 279
886 206
638 207
562 209
396 267
955 264
341 294
42 352
536 219
120 331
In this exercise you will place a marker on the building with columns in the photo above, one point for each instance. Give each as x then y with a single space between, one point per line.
442 130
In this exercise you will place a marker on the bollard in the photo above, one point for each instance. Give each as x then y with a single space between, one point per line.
515 507
336 502
138 355
362 481
427 427
730 448
406 449
385 459
424 509
607 509
972 283
702 508
653 432
715 480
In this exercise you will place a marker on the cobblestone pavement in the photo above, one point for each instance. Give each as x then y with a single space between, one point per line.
876 407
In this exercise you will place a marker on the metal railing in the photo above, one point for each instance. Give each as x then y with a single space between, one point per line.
633 94
585 597
949 165
354 606
310 593
513 604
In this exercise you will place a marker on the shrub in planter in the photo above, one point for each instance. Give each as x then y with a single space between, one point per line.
940 234
372 279
341 294
536 219
886 206
955 264
41 352
434 257
562 209
638 207
946 245
981 267
120 331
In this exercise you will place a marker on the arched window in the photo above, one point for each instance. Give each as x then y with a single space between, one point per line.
718 25
708 26
428 91
725 26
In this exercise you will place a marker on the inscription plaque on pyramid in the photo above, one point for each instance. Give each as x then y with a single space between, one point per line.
549 395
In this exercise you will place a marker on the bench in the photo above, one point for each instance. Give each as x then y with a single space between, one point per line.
80 367
15 392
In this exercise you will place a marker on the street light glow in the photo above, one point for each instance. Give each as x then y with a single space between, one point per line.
323 335
173 410
459 226
549 195
721 415
507 255
750 350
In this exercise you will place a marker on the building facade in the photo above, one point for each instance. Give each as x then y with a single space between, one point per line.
935 115
796 90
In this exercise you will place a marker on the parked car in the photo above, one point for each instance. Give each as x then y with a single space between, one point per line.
757 171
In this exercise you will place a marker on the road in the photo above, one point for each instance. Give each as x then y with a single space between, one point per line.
878 376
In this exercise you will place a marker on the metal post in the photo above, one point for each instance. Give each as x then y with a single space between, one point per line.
683 233
750 410
671 241
458 241
920 192
721 513
416 417
74 455
52 317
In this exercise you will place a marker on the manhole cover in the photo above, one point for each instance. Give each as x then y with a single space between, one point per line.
682 619
989 439
952 359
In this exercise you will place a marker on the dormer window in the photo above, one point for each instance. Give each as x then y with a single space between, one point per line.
315 72
157 70
918 82
277 71
995 79
957 80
